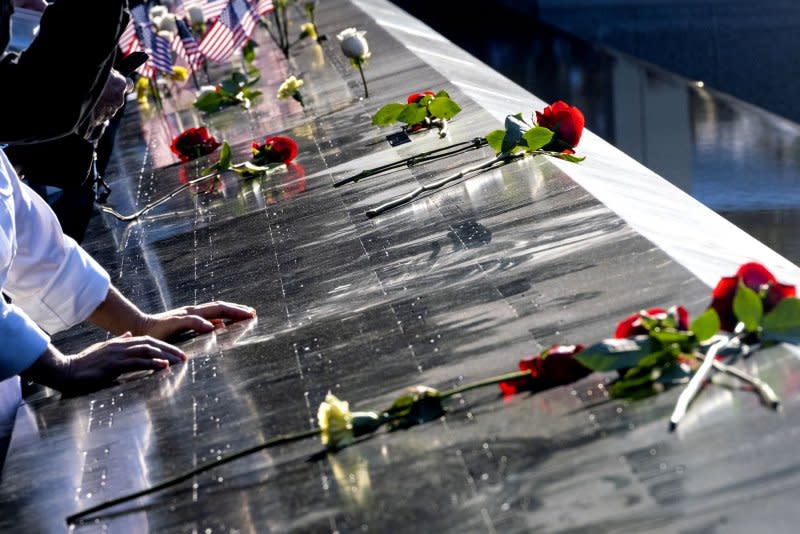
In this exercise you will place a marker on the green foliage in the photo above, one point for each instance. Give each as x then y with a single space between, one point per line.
249 52
614 354
233 90
748 308
537 137
428 111
388 114
783 322
706 325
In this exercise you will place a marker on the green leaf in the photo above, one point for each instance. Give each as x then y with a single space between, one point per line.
537 137
572 158
249 93
612 354
209 102
443 108
388 114
748 308
442 93
667 337
224 162
412 114
230 86
706 325
783 322
249 51
495 139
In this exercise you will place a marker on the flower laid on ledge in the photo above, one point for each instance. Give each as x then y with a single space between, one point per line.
274 153
275 149
660 349
290 88
232 91
356 48
519 139
424 110
193 143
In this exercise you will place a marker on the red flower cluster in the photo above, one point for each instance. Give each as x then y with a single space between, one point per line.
566 122
632 326
554 367
756 277
194 143
413 98
276 149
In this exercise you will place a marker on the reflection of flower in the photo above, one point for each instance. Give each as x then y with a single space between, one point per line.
290 88
556 366
355 47
565 121
351 472
335 422
194 143
632 326
294 182
275 149
756 277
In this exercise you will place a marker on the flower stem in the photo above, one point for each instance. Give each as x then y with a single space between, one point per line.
693 387
504 157
763 389
423 157
363 79
483 383
279 440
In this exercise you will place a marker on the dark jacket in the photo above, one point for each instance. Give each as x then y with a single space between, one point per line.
51 88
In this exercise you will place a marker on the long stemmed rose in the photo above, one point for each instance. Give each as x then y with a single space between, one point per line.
652 349
519 139
290 88
356 48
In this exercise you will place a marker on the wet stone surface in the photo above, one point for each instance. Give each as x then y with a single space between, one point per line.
456 287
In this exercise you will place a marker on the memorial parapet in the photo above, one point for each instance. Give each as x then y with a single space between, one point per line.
455 287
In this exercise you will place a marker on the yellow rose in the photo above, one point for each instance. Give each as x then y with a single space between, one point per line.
179 74
290 87
335 422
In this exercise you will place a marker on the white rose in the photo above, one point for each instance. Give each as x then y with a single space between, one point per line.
156 12
354 45
196 15
167 23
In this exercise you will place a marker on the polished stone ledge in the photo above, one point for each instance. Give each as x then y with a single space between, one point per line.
705 243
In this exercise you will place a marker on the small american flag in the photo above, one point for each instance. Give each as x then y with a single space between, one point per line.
263 7
127 41
213 8
229 32
157 47
185 46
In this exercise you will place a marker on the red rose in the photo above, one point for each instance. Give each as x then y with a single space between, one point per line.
565 121
554 367
756 277
193 143
277 149
413 98
632 326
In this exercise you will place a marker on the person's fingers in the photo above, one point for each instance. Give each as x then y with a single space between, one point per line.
222 310
151 353
190 322
131 365
157 344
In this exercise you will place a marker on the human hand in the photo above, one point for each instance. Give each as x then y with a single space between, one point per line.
112 97
34 5
102 363
202 318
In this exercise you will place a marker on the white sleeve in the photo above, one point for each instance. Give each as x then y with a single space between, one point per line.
52 279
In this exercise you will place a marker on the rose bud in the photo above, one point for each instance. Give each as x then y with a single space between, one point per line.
556 366
354 45
276 149
193 143
566 122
